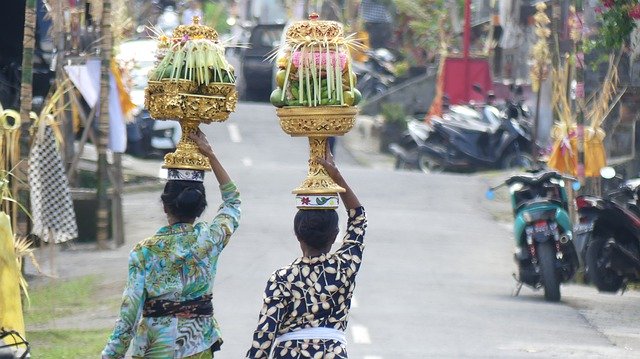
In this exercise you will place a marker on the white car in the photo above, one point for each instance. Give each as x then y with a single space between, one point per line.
145 136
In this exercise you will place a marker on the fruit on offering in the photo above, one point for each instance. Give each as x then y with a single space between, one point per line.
198 58
314 66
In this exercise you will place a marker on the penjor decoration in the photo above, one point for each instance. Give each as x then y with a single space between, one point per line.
316 98
192 83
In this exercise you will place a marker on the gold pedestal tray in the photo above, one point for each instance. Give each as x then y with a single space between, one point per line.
190 105
318 190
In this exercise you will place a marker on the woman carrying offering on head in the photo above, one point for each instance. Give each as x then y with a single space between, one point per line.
166 308
306 304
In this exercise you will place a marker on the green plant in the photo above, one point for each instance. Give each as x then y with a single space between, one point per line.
60 298
394 114
424 19
618 20
65 343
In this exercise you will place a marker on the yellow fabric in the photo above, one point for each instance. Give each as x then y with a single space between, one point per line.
565 158
125 100
10 301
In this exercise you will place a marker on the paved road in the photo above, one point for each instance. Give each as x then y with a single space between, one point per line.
436 278
435 282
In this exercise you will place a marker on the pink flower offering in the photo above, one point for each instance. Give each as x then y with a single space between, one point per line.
320 58
634 13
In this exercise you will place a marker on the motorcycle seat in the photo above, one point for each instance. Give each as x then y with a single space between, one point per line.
467 127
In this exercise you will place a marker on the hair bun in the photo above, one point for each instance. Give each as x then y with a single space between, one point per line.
189 199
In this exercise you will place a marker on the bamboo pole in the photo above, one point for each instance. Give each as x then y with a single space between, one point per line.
580 90
19 192
118 187
28 44
102 212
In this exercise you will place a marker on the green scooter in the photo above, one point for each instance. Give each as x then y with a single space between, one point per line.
545 253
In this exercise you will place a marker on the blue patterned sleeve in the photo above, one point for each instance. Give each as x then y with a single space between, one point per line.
226 221
273 311
130 311
350 252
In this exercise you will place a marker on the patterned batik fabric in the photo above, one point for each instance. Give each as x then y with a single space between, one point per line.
51 206
311 292
177 264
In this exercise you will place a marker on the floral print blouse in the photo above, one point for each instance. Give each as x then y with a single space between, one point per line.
178 263
311 292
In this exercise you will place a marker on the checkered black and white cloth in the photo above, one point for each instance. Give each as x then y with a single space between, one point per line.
51 204
376 11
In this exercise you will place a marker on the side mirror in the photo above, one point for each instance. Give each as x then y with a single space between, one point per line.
607 172
490 195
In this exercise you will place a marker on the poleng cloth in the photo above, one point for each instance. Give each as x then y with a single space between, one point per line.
51 204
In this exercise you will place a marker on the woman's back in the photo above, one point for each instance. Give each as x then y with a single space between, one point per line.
312 292
166 309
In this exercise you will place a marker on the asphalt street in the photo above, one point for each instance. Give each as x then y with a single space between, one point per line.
436 275
436 279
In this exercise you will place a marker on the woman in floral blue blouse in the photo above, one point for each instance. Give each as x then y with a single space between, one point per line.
306 304
166 309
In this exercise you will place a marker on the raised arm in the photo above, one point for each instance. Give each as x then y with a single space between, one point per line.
205 148
227 219
350 252
348 197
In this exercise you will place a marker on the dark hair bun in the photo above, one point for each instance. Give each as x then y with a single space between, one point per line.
184 199
317 228
189 198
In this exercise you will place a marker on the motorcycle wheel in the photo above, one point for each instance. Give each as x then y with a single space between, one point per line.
550 277
517 161
605 279
427 165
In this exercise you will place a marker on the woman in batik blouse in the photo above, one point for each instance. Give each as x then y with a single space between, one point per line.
166 309
306 304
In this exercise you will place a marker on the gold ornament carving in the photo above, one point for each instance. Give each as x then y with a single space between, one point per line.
313 29
191 105
317 123
187 154
195 31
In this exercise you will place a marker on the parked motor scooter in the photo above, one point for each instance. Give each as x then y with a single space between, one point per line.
451 146
545 253
516 108
407 150
608 235
377 74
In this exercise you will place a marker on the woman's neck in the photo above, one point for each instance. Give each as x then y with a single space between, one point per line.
174 220
313 252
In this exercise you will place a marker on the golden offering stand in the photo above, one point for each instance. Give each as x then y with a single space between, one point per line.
188 96
316 120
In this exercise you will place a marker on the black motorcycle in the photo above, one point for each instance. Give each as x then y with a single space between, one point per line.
377 74
452 146
608 237
13 345
515 108
407 149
